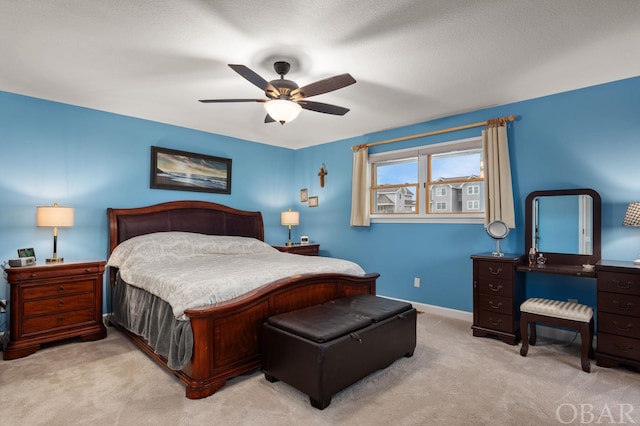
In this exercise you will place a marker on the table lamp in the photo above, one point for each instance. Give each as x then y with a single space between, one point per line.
54 216
632 218
289 219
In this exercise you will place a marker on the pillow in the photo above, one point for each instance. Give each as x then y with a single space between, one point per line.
165 246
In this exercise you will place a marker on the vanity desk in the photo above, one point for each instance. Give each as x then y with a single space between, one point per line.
565 225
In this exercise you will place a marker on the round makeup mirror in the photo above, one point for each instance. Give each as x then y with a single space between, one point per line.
497 230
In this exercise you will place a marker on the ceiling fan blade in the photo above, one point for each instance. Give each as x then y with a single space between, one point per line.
268 119
321 107
323 86
255 79
209 101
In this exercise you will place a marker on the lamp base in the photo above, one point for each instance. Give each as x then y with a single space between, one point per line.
289 243
636 262
55 260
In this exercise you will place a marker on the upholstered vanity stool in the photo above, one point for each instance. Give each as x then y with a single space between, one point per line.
561 314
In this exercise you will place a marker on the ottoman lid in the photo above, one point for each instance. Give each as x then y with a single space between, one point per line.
320 323
378 308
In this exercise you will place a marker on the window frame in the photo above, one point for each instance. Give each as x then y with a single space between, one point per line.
423 153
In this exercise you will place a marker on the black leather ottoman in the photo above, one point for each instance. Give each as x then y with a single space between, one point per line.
323 349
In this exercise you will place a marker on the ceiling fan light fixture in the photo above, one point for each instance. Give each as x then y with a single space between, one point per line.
282 110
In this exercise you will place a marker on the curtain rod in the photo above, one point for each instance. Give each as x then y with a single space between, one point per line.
499 121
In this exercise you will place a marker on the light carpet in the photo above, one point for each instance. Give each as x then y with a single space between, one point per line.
452 379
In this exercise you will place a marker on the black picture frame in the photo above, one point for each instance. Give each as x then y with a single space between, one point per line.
188 171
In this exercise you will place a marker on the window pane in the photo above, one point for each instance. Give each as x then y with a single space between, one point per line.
397 172
394 199
456 165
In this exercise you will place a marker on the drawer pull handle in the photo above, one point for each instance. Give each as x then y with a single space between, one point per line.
33 275
88 271
627 307
627 328
625 286
61 303
496 288
61 289
356 337
627 348
498 306
497 271
495 322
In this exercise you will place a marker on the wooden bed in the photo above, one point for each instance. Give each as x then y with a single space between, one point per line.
226 335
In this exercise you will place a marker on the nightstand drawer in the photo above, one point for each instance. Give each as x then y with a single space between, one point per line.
303 249
59 289
41 272
616 282
61 319
58 304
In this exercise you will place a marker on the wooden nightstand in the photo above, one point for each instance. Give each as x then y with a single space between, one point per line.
53 302
305 249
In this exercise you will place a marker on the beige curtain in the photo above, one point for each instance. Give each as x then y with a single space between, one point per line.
497 169
359 211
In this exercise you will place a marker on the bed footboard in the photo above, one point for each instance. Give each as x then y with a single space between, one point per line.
227 335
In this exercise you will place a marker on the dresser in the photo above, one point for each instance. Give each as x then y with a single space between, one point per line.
498 292
618 312
53 302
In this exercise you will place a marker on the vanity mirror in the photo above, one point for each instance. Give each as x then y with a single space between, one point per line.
565 226
498 230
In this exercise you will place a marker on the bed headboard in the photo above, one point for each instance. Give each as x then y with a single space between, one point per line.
187 216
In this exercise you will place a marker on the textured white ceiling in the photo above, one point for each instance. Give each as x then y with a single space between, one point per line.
414 60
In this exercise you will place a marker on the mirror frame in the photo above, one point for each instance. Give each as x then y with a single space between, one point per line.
566 258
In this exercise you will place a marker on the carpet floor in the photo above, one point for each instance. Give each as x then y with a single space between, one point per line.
452 379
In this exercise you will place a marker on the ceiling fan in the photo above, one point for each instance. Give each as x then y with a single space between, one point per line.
285 98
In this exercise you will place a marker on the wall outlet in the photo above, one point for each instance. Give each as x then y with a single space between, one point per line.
572 300
416 282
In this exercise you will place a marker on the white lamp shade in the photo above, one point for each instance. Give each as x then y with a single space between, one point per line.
54 216
282 110
290 218
632 216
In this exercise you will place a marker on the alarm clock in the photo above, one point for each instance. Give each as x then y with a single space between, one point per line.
304 240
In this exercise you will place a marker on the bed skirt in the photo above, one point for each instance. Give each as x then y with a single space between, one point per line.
151 318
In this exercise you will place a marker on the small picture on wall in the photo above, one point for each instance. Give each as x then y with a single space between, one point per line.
313 201
304 195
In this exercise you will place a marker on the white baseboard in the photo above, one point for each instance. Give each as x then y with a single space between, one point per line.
543 331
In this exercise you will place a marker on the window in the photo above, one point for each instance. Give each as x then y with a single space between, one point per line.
396 185
473 205
434 183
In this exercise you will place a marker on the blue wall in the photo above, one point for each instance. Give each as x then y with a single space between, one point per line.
588 138
92 160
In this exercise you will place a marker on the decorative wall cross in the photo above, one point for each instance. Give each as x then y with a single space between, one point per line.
322 174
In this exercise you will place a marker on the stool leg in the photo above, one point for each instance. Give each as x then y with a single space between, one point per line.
524 330
586 347
592 354
533 338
